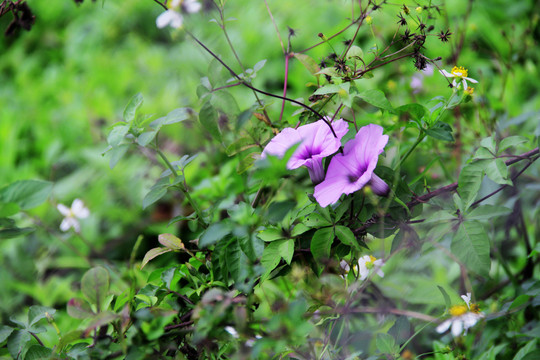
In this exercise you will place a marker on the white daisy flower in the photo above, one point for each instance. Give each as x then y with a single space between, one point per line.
463 317
459 73
173 17
367 263
77 211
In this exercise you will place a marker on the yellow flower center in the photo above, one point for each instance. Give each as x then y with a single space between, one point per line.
369 264
469 90
475 308
459 71
458 310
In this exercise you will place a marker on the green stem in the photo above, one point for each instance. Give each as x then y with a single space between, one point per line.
183 189
421 137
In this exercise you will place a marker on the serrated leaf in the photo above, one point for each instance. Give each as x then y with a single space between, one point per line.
155 193
511 141
469 181
116 154
321 243
487 212
497 171
271 257
17 342
117 135
146 137
440 131
131 108
470 245
5 331
213 234
153 253
376 98
95 286
79 309
309 63
489 143
386 344
170 241
36 313
346 236
286 250
271 234
483 153
37 352
172 117
26 194
208 117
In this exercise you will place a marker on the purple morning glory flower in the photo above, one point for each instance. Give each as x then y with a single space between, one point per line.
352 170
316 142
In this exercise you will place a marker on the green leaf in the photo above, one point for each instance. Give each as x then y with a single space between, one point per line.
511 141
470 245
155 193
17 342
95 286
469 182
5 331
520 300
286 250
131 108
440 131
170 241
386 344
355 52
346 236
271 234
146 137
489 143
497 171
299 229
208 117
117 135
172 117
152 253
332 89
14 232
213 234
483 153
415 111
316 220
79 309
26 194
240 145
530 347
116 154
446 298
376 98
278 210
271 257
223 101
36 313
487 212
309 63
37 352
322 242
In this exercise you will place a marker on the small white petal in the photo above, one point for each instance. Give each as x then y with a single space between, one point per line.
380 272
457 327
192 6
454 83
464 84
169 17
467 299
446 73
471 80
345 266
79 210
64 210
65 225
232 331
444 326
175 3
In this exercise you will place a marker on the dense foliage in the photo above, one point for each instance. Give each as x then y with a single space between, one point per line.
269 179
